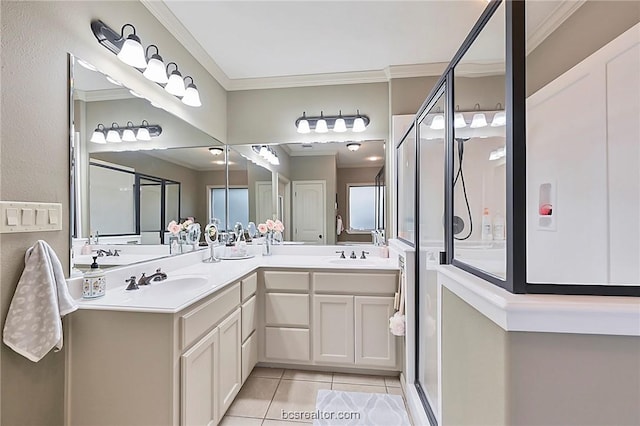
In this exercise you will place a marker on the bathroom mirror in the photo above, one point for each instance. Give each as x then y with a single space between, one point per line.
313 185
126 193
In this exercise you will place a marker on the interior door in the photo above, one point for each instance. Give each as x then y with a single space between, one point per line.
309 211
264 201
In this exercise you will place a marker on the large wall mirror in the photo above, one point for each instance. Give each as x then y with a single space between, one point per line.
125 193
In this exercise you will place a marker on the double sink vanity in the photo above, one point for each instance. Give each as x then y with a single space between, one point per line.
178 351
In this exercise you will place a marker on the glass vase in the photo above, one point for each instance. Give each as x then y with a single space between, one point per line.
268 242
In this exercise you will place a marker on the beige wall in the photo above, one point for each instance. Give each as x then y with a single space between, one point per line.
322 167
592 26
347 176
494 377
268 116
407 94
36 37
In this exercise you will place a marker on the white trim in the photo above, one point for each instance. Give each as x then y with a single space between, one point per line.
102 95
544 313
329 79
434 69
551 23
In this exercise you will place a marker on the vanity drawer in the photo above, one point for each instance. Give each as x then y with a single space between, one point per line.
286 281
196 322
286 309
249 286
249 317
355 283
286 343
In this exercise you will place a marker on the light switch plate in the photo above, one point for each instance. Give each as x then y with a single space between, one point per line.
18 216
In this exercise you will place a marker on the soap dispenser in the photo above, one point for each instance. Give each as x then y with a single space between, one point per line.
86 248
95 282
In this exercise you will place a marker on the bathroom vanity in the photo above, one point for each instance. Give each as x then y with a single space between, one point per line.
178 351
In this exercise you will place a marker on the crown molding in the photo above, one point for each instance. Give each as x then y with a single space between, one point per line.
163 14
556 18
415 70
102 95
328 79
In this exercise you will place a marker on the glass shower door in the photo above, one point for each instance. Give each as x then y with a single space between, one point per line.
431 154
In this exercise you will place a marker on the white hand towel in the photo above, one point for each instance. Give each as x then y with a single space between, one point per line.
339 227
34 326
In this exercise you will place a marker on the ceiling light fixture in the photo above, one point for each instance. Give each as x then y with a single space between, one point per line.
131 52
479 119
191 96
130 133
353 146
216 150
322 124
155 71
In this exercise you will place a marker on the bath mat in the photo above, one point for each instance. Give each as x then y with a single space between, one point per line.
338 408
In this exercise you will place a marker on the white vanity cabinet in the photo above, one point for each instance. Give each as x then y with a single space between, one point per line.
249 325
353 328
132 368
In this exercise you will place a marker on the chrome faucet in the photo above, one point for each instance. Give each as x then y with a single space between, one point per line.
102 252
132 283
341 254
363 254
353 255
157 276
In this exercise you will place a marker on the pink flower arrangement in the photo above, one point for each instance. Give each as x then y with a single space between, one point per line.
175 228
270 226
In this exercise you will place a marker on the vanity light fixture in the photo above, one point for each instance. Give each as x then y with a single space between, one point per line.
353 146
268 153
155 71
216 150
98 134
322 124
130 133
130 51
500 118
191 96
479 119
438 121
175 84
113 135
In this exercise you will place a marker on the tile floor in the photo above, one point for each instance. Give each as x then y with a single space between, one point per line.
269 391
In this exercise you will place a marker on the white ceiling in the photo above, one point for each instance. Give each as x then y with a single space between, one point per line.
250 44
370 153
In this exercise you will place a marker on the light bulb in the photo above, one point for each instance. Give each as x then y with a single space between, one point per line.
156 71
128 135
437 123
458 121
191 96
321 126
143 133
340 126
303 126
98 135
500 119
132 52
113 136
479 120
175 85
358 125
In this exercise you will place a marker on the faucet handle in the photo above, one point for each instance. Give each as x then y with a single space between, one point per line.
363 254
341 254
143 279
158 271
132 283
116 252
353 255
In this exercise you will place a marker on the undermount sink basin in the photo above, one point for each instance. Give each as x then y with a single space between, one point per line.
354 262
183 281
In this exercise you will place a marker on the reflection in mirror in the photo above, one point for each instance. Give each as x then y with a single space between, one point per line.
127 192
313 186
406 178
479 192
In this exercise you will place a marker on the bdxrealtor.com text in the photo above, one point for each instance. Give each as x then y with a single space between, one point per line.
319 415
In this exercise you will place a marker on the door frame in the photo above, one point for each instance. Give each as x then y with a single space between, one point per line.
294 221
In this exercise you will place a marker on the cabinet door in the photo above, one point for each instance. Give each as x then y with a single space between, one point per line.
199 382
229 361
249 355
249 317
333 329
375 345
